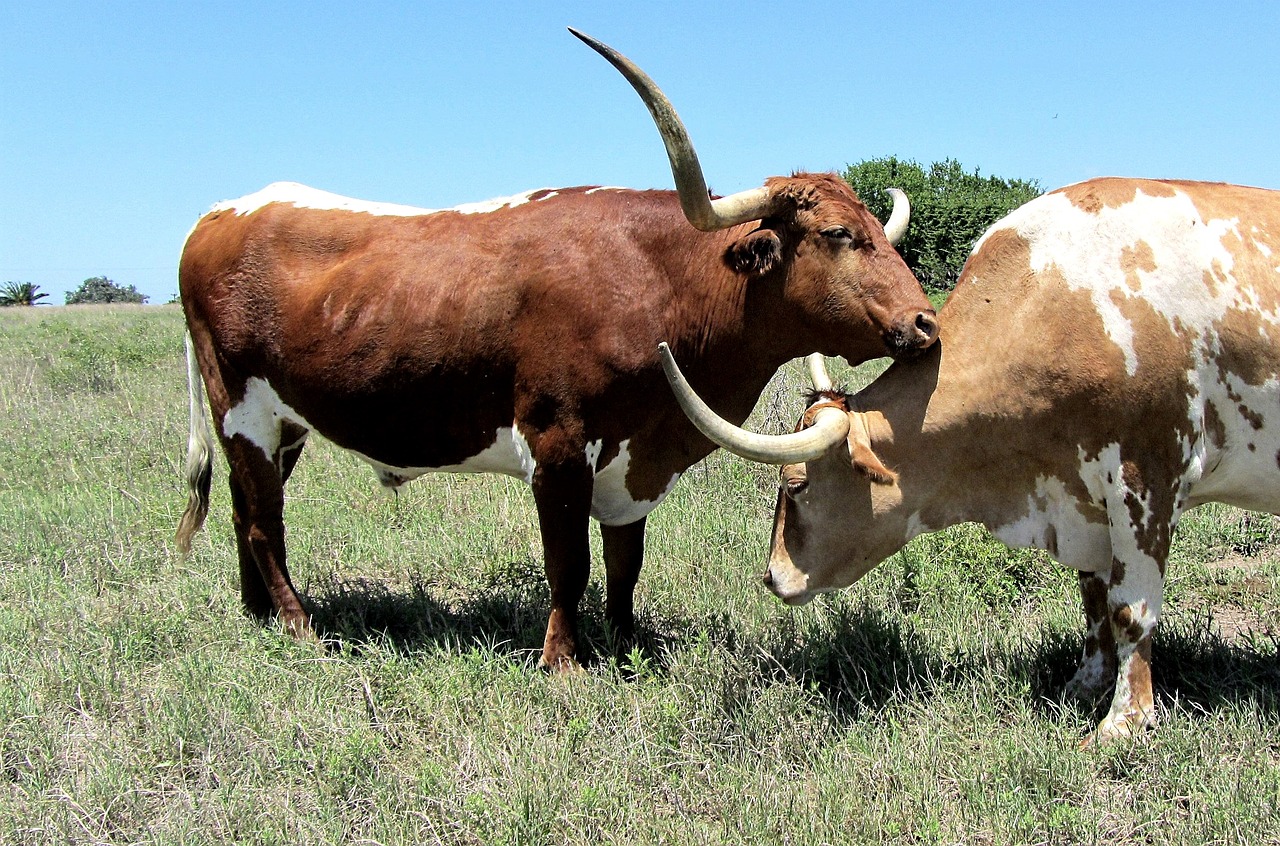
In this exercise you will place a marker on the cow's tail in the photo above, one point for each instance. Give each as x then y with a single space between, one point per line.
199 455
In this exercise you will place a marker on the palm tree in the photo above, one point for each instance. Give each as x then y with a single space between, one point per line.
20 294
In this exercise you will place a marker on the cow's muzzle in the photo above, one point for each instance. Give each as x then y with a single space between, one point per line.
793 598
910 337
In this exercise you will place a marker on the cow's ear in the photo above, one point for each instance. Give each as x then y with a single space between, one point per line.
756 254
865 461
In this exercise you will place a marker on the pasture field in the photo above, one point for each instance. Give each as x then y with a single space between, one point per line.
138 704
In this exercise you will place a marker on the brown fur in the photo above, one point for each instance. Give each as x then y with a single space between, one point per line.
412 340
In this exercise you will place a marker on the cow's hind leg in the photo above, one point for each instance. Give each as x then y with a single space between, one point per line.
623 555
257 500
562 493
259 599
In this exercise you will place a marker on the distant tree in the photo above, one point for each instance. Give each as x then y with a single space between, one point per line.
100 289
20 294
950 209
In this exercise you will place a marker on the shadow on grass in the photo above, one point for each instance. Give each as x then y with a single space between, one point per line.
508 619
861 659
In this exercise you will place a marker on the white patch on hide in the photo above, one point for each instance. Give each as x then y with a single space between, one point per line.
258 415
304 197
1053 521
1088 248
611 502
509 454
486 206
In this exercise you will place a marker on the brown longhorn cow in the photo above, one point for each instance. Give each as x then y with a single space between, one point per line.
1109 359
518 337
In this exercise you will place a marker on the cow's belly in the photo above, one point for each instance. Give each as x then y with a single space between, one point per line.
1246 480
1076 534
611 502
258 416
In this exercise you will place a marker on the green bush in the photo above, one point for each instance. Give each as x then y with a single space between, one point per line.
950 209
100 289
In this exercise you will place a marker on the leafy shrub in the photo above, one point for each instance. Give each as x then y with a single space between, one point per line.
100 289
950 209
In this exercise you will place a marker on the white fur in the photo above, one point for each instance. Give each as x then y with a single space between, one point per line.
1087 248
304 197
509 454
258 415
1076 540
611 502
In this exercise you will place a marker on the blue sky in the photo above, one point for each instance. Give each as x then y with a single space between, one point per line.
123 122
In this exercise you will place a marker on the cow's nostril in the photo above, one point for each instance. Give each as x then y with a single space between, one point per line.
927 326
767 578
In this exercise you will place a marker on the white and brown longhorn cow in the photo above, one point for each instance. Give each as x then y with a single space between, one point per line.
1109 359
519 337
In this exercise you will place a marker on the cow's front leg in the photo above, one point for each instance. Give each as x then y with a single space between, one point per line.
1141 518
1133 606
1097 671
562 493
623 555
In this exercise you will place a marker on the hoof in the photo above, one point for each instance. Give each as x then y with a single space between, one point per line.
298 627
564 665
1116 728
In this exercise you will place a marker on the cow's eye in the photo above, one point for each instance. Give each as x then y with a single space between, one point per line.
795 486
837 233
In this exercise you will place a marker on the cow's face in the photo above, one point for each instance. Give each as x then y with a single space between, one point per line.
851 292
847 288
837 517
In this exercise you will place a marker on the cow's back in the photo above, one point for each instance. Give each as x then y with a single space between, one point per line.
1138 315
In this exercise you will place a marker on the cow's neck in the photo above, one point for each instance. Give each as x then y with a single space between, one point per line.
926 422
735 337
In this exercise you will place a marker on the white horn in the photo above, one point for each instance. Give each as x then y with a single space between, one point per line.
818 374
896 228
703 212
830 426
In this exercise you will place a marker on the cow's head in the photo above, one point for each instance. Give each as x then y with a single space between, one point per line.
839 510
836 265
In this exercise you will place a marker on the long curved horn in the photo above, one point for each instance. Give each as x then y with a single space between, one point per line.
704 213
818 374
896 228
830 426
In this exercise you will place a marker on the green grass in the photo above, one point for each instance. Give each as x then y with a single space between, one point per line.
138 705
